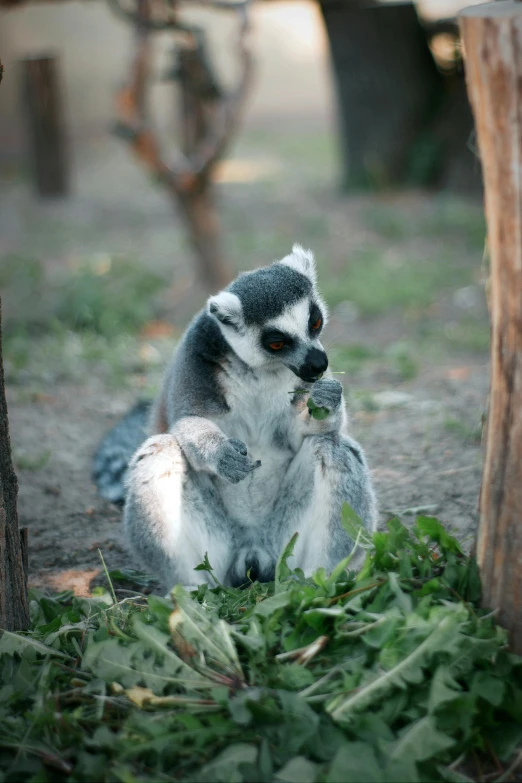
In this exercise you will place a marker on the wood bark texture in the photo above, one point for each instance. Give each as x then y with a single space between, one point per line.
14 607
492 37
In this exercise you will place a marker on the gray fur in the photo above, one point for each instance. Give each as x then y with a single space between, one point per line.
242 465
233 463
198 358
280 438
266 292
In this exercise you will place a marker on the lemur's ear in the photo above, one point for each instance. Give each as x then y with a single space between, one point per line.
226 308
302 261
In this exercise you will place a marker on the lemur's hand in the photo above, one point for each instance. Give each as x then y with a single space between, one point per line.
327 393
233 462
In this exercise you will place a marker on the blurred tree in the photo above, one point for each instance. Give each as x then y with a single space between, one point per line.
210 118
14 605
45 125
403 118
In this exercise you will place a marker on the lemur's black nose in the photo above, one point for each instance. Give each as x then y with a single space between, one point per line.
317 360
315 363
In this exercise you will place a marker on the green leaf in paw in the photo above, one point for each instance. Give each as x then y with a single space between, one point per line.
317 412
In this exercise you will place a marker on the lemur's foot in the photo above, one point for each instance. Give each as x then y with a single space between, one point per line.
327 393
233 462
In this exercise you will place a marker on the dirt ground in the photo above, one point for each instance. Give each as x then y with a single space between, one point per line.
416 368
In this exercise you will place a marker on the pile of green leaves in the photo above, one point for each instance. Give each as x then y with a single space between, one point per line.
393 674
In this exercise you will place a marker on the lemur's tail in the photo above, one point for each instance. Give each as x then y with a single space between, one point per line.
114 452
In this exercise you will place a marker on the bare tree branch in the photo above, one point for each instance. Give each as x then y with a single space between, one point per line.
183 173
211 117
215 145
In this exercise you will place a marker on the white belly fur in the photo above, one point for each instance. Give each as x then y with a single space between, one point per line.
251 501
254 417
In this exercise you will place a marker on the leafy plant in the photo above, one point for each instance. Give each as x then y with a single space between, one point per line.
393 674
108 298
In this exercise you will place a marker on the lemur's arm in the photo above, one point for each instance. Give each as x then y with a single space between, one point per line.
207 448
325 393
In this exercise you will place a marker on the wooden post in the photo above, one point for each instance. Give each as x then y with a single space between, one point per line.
492 39
45 126
14 607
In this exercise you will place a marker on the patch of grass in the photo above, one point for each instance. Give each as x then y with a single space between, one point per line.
470 333
403 361
315 148
389 222
364 400
108 296
21 274
376 283
22 286
35 462
251 246
396 673
470 434
314 227
350 358
450 217
16 350
457 218
65 356
257 247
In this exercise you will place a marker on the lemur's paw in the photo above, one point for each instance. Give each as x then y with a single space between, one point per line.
233 462
327 393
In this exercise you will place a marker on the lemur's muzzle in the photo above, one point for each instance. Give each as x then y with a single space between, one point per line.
315 363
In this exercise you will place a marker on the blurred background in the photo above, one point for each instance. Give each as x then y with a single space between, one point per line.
149 151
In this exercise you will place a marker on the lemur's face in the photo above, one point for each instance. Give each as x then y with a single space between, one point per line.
293 339
274 317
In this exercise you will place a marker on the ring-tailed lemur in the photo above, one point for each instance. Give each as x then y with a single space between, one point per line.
237 464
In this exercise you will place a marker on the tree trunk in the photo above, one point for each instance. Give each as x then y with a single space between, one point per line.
453 131
205 232
492 37
387 84
45 126
14 607
199 94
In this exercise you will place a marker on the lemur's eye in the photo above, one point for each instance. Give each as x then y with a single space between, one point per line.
276 346
318 323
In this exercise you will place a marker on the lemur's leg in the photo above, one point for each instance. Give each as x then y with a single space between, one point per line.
327 471
173 515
